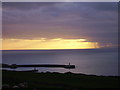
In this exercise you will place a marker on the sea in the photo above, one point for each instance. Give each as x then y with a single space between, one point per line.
87 61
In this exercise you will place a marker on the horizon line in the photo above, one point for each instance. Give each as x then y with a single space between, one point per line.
57 49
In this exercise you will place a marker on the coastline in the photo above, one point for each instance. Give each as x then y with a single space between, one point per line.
58 80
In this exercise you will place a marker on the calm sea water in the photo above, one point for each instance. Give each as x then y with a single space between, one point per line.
95 61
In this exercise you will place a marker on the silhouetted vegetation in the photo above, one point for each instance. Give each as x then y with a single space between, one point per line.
58 80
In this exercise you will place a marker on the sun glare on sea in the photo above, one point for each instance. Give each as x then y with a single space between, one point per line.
44 43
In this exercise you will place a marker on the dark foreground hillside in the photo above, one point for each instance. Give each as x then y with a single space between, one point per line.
15 79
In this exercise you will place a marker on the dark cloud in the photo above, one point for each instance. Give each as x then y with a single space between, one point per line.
92 20
25 5
104 6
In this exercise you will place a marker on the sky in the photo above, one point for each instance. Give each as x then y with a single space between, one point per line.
59 25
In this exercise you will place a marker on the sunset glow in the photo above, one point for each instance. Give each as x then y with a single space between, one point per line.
43 43
54 25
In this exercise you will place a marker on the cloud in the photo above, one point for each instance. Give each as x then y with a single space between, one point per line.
25 5
92 20
104 6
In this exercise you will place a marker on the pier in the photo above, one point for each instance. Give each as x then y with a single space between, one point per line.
14 66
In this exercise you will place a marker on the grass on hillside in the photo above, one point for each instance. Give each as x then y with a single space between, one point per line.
59 80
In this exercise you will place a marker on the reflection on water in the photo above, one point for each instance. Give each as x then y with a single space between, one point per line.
98 62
